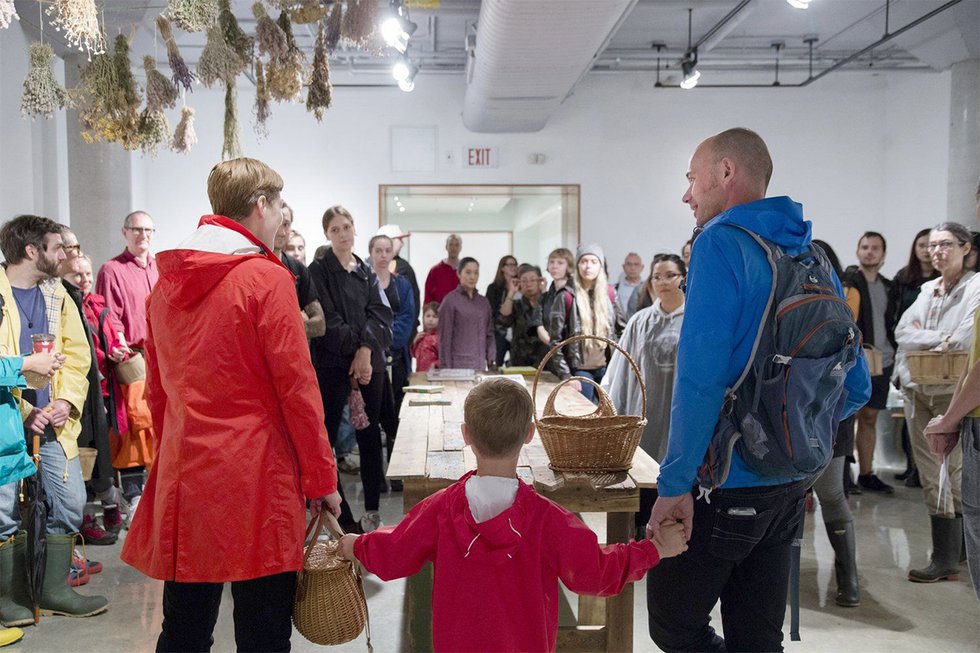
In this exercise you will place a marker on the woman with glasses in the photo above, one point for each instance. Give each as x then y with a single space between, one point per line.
504 285
651 338
941 319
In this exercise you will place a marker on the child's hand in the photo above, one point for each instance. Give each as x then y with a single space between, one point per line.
347 547
670 541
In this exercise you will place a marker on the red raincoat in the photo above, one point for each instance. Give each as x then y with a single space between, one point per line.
237 408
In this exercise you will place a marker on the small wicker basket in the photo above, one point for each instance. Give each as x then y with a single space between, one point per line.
131 370
86 458
937 367
330 607
876 360
600 441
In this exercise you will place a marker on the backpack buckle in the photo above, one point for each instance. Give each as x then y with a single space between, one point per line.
728 406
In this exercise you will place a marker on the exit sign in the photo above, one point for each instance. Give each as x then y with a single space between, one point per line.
480 157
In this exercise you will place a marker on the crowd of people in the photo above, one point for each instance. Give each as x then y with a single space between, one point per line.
319 356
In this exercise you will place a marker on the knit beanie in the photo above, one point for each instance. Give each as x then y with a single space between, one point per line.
592 249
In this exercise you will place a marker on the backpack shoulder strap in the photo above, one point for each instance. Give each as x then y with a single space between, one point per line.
771 253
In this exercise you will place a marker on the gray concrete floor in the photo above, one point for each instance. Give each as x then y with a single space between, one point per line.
895 615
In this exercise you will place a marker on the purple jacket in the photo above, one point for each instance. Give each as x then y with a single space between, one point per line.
466 339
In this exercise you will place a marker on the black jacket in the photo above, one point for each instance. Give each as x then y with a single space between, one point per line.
356 312
854 278
562 322
403 269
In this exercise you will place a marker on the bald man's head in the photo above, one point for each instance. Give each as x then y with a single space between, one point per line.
746 148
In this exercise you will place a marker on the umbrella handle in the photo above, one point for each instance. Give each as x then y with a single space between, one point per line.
37 447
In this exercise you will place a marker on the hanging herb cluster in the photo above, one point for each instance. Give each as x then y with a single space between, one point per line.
270 37
154 130
308 11
334 24
79 20
182 76
284 74
262 108
110 99
43 95
193 15
184 136
160 91
8 13
231 148
219 62
359 21
239 41
318 94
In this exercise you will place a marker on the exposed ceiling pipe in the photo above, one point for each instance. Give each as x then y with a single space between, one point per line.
725 26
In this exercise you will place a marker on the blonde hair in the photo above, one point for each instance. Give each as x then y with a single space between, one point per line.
593 306
498 414
235 186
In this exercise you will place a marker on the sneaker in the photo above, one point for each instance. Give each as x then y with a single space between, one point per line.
77 576
351 527
370 522
94 534
132 510
112 519
872 483
347 466
87 566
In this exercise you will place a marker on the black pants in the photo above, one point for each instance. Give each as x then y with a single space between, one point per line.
263 614
334 390
399 379
388 418
739 552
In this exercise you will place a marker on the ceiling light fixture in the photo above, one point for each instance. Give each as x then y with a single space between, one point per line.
405 76
397 29
799 4
401 70
689 64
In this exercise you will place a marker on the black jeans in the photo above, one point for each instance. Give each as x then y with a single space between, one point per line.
739 552
334 390
263 614
399 379
388 417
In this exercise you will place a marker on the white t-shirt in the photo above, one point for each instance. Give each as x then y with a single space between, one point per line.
489 496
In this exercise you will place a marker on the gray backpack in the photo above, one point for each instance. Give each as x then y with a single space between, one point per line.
782 412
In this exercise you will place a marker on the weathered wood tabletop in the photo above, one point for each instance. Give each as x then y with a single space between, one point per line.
429 455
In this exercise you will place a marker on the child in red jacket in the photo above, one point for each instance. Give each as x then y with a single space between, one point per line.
426 347
498 548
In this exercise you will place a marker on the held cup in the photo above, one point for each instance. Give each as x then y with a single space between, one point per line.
43 343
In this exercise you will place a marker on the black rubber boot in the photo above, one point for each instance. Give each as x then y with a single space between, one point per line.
947 538
15 604
842 538
57 597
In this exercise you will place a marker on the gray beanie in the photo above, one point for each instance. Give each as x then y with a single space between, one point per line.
592 249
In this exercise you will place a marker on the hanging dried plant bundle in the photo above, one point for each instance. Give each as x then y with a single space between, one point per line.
308 11
43 95
284 75
334 22
129 99
79 20
268 34
184 136
182 76
160 91
109 99
375 45
239 41
219 62
318 96
193 15
231 149
359 20
263 110
154 130
8 13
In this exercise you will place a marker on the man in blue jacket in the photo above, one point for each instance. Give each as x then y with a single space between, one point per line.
741 533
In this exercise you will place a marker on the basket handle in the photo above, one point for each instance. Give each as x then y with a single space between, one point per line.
604 409
568 341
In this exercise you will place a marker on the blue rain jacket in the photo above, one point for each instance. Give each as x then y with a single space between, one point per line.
15 464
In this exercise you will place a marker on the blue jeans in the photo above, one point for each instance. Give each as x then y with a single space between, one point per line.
66 498
739 552
596 375
346 435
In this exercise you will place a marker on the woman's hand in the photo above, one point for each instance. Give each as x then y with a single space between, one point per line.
361 368
43 363
119 354
513 284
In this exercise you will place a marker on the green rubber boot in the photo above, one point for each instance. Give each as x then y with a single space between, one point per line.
57 596
15 602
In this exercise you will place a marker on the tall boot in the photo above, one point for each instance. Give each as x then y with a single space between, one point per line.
15 602
841 534
947 535
57 597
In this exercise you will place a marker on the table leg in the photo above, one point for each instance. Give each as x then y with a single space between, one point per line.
418 595
619 609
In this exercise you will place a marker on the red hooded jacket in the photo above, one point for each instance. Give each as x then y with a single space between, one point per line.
496 583
237 408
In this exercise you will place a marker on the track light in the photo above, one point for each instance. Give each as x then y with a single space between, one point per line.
407 85
798 4
404 72
691 72
398 29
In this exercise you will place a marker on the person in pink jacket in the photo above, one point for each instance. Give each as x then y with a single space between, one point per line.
498 548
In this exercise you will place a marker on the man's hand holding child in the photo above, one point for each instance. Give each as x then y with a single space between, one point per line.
670 539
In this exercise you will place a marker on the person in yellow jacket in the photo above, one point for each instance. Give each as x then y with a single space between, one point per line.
35 303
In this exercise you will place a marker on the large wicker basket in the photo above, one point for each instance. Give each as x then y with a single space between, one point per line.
600 441
330 607
936 367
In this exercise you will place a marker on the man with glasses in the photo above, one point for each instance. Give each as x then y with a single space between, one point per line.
126 281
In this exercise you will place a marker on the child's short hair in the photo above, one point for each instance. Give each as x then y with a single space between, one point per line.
498 414
431 306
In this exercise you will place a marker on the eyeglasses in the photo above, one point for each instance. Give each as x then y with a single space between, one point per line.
942 246
72 248
142 230
670 276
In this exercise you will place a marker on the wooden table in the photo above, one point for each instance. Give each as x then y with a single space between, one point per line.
429 455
